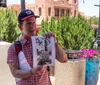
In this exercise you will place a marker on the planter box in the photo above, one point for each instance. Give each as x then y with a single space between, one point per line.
70 73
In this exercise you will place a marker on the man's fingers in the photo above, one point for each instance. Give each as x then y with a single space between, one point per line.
49 35
40 70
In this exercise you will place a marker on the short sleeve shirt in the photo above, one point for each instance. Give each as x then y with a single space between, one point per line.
12 57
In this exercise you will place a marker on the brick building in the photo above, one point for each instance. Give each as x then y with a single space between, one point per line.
50 8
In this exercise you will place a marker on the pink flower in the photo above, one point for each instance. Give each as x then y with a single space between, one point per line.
89 53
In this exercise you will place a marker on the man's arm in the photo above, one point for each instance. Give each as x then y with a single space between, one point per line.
17 73
60 53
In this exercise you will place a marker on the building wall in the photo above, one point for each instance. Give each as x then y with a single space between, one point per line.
40 4
43 5
16 7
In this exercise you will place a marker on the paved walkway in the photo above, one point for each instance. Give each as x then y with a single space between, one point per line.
5 76
99 78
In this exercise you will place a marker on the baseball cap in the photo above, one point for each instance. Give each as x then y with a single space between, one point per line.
25 14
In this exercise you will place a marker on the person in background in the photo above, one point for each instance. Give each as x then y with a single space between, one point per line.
30 75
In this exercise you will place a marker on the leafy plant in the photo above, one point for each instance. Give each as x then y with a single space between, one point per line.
94 20
72 33
8 25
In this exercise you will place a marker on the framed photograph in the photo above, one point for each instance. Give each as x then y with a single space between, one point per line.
43 51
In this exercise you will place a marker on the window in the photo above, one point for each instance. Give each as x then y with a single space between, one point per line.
49 11
67 12
40 11
62 12
56 12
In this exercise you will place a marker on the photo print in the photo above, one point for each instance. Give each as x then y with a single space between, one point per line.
43 51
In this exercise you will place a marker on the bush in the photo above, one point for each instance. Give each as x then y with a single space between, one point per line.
72 33
8 25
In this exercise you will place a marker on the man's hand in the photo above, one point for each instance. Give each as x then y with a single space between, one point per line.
49 35
39 70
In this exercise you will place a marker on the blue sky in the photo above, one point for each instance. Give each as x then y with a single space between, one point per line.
88 7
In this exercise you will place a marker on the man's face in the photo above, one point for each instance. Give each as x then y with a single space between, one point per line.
28 27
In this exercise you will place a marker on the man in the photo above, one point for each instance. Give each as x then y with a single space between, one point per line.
33 76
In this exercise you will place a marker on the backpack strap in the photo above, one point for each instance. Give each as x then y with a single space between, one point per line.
18 46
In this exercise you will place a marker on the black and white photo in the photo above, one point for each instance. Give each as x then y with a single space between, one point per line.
43 50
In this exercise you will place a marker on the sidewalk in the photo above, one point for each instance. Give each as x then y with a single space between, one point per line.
52 78
99 78
5 75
